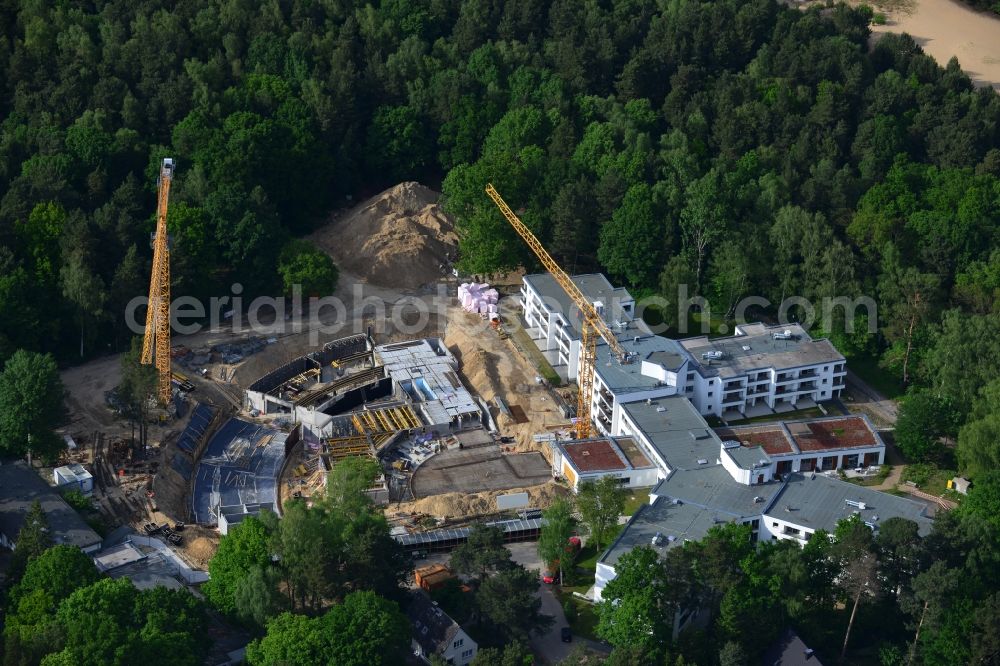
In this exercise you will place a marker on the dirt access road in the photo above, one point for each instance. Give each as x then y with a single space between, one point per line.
945 29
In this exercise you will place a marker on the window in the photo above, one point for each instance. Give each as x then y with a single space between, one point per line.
709 394
467 654
824 380
774 524
458 643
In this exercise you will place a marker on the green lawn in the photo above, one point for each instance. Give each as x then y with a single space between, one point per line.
929 478
585 622
636 498
867 369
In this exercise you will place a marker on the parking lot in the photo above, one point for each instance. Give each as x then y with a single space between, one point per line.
478 469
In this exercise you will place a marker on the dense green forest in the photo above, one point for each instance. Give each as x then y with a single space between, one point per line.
736 146
984 5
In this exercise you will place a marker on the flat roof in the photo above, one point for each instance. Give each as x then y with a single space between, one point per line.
631 451
714 489
594 286
675 429
117 556
846 432
674 522
594 455
806 436
818 501
747 456
764 350
771 437
20 486
626 378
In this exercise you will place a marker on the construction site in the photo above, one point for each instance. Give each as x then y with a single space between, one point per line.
453 416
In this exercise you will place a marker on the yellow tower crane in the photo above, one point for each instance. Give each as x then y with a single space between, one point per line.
593 325
156 343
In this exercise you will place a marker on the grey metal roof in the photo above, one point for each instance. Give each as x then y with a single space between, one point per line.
679 434
747 456
437 536
675 523
818 502
20 486
626 378
671 360
765 352
714 489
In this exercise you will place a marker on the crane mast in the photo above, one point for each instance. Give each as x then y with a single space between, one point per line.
593 326
156 342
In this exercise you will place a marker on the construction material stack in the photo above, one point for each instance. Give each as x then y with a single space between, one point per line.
479 299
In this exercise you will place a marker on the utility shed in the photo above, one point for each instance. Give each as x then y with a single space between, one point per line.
74 476
19 488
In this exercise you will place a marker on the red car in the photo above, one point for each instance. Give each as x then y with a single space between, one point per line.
548 578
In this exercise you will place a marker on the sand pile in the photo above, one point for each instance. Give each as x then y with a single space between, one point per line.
480 367
458 505
399 238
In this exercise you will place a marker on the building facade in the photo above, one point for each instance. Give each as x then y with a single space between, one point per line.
758 370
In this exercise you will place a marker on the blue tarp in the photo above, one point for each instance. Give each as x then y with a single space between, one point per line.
201 417
240 466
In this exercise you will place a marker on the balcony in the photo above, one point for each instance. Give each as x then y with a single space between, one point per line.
807 386
806 374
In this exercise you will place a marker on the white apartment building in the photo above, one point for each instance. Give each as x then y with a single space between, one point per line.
765 476
554 321
758 370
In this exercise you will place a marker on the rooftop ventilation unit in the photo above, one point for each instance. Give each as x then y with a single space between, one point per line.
746 347
712 355
702 461
649 401
758 499
661 409
675 501
856 503
782 335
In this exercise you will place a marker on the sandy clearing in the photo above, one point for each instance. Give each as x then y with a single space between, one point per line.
944 29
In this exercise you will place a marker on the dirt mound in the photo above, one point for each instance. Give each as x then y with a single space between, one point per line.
399 238
457 505
480 367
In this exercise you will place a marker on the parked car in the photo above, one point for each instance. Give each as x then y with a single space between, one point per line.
566 635
548 578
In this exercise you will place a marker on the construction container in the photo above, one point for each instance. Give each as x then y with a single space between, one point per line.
432 577
74 477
